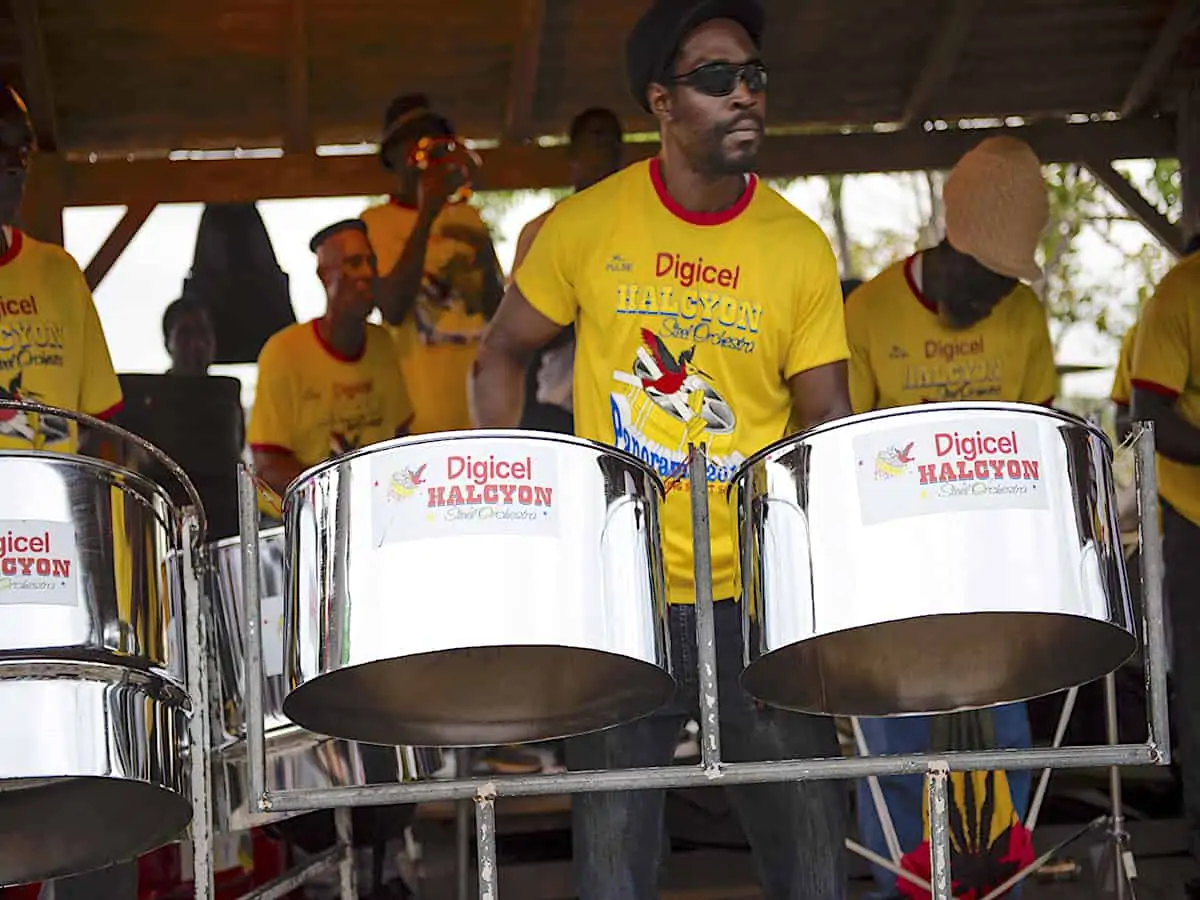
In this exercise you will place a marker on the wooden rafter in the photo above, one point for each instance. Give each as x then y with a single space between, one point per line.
297 127
1138 206
1157 64
941 59
518 116
114 245
39 89
513 167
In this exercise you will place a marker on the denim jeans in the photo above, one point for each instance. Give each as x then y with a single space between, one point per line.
905 793
796 830
117 882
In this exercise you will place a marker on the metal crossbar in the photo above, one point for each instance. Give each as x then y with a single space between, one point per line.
712 770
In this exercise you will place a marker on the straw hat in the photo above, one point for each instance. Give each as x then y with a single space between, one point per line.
997 207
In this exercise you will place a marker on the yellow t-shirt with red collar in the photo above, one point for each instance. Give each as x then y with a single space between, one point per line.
314 403
437 343
1122 389
901 353
52 348
1166 361
688 327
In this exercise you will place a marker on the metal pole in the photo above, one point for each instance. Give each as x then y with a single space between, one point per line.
939 831
706 636
256 743
876 789
462 827
199 732
1060 732
485 842
1114 788
290 881
1151 553
347 870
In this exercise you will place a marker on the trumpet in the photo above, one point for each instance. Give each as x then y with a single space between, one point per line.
449 152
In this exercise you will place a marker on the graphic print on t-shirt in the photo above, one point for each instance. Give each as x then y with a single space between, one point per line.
356 408
19 424
450 299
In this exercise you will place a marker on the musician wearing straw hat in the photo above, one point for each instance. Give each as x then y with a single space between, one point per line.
955 322
441 280
1166 391
706 310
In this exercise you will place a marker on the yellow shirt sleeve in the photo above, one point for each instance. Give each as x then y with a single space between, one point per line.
402 405
864 391
819 320
1122 391
1040 383
1162 348
100 392
546 278
272 418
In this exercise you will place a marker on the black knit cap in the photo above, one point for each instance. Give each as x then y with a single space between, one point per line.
410 115
655 39
336 228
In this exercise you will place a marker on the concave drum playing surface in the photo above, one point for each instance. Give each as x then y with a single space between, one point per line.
296 759
475 588
93 705
930 559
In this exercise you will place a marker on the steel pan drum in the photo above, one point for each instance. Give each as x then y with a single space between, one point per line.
475 588
930 559
295 758
93 704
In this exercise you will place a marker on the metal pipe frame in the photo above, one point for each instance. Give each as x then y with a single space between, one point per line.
712 771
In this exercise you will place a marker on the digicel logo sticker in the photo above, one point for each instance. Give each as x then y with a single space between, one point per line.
978 457
22 554
491 482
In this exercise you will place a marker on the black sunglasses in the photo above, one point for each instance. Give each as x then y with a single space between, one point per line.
720 79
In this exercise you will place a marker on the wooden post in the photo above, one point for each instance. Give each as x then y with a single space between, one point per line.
41 213
1188 131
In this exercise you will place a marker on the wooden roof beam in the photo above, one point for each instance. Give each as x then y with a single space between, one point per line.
39 92
114 245
941 59
1157 64
514 167
298 133
518 116
1138 206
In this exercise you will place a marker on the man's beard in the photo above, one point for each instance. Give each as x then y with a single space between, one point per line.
960 316
718 161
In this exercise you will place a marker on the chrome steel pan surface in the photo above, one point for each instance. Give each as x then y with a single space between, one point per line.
929 559
93 706
475 588
296 759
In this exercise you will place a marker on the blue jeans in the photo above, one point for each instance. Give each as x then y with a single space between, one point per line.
905 793
797 830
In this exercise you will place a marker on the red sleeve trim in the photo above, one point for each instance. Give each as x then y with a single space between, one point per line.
269 448
1049 401
1124 404
110 412
1153 388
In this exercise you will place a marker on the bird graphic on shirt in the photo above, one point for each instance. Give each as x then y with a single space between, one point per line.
18 423
672 373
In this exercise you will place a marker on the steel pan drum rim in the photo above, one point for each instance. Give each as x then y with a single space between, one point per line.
484 433
236 540
159 686
165 461
896 411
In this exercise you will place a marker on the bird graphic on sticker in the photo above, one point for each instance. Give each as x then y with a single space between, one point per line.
894 461
406 482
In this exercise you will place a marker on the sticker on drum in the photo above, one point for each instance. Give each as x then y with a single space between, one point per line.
38 563
957 466
443 493
272 634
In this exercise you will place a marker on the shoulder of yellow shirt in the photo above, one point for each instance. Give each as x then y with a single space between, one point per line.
49 254
1180 283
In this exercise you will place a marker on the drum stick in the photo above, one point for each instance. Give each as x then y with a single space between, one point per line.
881 807
873 857
1060 732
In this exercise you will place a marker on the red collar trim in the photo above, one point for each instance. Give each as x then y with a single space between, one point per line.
396 201
340 357
13 249
912 285
699 218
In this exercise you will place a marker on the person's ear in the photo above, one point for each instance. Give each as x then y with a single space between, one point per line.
659 98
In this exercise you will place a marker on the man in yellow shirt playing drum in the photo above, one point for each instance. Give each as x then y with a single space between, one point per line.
706 309
955 323
1166 391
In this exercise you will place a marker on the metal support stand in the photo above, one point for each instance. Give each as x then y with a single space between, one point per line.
199 731
706 635
485 842
939 831
462 829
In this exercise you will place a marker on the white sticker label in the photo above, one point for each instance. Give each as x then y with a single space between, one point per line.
954 467
39 563
272 634
449 494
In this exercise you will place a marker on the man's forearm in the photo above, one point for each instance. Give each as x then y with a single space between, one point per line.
1175 438
496 389
493 283
278 470
398 290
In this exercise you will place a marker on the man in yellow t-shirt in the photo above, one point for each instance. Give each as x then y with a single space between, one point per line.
706 309
441 280
1166 391
1122 390
955 323
331 385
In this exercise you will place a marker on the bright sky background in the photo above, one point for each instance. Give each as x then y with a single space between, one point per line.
150 273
